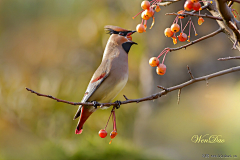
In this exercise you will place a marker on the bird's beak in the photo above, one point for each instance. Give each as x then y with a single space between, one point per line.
129 37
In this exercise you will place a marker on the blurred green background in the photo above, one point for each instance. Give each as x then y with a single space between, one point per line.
54 46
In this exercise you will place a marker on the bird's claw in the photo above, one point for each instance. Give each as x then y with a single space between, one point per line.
118 104
95 104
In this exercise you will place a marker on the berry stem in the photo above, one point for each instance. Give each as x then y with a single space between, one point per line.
145 24
108 119
114 121
167 50
194 28
181 24
186 25
137 14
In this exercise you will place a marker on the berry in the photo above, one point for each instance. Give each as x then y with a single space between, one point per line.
200 20
188 5
196 6
113 134
168 32
194 1
145 4
149 12
157 9
161 69
144 16
174 40
140 28
180 12
102 133
154 61
175 27
182 37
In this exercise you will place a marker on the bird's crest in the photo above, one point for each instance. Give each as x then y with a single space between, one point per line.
115 29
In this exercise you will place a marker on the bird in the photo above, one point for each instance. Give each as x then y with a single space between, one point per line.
110 77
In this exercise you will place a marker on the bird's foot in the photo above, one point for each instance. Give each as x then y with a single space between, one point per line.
95 104
118 104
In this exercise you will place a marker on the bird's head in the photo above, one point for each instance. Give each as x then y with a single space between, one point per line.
121 36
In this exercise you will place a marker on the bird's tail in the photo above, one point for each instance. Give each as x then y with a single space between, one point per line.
84 114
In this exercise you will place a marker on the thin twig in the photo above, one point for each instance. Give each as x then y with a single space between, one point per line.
190 73
163 88
203 7
197 40
125 97
151 97
235 1
230 4
179 94
228 58
166 3
185 14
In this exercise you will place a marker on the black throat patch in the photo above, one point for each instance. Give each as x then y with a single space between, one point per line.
126 46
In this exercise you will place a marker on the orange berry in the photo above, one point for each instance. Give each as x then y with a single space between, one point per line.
102 133
174 40
168 32
157 9
145 4
154 61
196 6
113 134
175 27
182 37
161 69
188 5
194 1
149 12
180 12
144 16
140 28
200 20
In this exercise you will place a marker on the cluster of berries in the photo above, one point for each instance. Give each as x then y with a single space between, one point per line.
161 67
103 133
149 8
195 5
189 5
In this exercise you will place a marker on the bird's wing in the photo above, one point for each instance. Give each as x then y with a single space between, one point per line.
98 77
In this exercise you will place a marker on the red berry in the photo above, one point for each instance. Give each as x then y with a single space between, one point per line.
196 6
161 69
175 27
182 37
113 134
188 5
145 4
102 133
168 32
140 28
154 61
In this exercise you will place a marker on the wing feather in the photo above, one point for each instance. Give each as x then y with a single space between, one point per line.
98 77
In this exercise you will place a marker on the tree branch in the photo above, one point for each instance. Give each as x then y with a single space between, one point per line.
197 40
228 18
235 1
185 14
151 97
228 58
167 2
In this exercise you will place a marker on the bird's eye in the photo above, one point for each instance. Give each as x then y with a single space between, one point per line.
121 33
